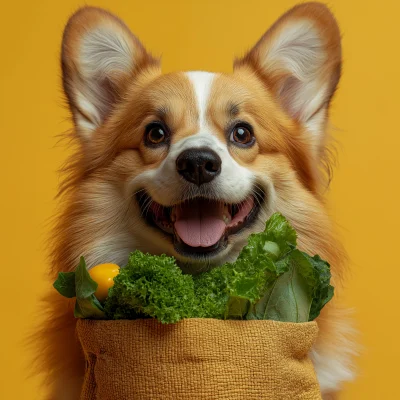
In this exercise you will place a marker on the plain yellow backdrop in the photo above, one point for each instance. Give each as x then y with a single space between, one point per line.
206 35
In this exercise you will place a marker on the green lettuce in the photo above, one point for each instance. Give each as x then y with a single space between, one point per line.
151 286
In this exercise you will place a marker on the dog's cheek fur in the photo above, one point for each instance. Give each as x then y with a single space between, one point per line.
100 218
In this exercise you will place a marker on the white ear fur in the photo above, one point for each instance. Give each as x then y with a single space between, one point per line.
103 56
299 59
99 55
299 54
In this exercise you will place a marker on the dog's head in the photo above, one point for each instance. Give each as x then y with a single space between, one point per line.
190 164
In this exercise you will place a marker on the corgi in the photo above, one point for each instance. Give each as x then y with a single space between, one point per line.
189 164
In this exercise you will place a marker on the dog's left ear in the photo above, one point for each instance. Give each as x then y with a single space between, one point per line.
99 57
299 60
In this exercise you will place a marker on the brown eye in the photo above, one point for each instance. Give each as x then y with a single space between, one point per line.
156 134
242 135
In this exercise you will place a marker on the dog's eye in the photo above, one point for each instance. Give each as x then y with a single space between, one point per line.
156 134
242 135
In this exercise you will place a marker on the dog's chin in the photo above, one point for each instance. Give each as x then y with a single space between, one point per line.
202 231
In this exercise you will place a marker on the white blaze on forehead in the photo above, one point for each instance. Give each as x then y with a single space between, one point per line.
202 82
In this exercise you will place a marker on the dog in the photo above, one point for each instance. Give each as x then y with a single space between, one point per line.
190 163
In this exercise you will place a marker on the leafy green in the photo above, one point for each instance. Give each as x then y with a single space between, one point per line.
89 308
237 307
270 279
85 286
87 305
279 231
289 297
65 284
79 284
211 292
298 295
323 291
151 286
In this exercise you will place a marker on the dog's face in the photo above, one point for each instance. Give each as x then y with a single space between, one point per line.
190 164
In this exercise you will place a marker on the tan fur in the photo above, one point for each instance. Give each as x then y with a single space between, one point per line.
97 206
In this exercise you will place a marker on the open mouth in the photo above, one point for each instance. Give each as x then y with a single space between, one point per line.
200 227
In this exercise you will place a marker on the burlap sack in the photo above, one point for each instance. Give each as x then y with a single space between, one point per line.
198 359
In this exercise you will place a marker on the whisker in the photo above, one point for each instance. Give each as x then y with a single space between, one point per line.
137 191
148 207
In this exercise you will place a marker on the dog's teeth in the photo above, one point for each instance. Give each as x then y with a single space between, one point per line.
226 219
227 209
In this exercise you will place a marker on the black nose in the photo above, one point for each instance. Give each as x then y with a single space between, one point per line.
198 166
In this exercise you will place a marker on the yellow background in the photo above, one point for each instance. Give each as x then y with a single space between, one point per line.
206 35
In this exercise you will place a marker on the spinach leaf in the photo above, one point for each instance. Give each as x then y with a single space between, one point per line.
85 286
86 305
65 284
324 291
88 308
288 299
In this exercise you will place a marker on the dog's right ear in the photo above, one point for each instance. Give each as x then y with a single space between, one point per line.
99 56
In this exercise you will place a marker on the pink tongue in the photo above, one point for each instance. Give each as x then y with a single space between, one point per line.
200 223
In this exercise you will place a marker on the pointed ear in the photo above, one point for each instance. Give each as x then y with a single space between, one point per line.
299 60
99 56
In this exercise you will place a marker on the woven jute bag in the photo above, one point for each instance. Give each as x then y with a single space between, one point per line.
198 359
